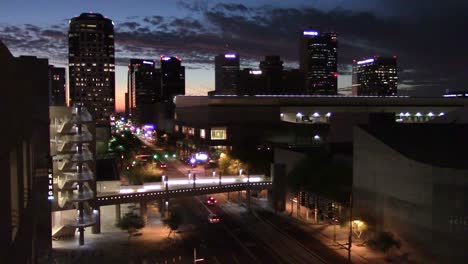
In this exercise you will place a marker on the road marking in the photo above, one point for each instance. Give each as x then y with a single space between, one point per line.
251 255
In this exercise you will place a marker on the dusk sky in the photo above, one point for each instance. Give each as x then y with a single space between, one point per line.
429 37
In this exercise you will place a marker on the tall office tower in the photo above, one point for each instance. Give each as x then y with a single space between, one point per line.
226 73
251 82
25 223
272 69
172 78
318 61
91 64
144 89
375 76
56 86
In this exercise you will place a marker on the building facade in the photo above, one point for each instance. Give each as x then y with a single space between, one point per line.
91 64
410 179
24 159
318 61
227 73
57 86
172 78
375 76
144 89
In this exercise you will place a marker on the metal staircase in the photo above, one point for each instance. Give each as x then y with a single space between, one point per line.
74 160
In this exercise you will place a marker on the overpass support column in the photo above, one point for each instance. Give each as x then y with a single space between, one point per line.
247 198
117 213
144 211
239 197
96 229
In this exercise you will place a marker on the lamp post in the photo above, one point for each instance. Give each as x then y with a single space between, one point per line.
194 180
350 225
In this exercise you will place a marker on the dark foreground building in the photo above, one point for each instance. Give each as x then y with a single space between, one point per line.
411 180
25 225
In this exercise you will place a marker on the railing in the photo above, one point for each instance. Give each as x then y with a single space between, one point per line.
107 199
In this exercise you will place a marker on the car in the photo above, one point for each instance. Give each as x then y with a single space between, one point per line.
211 200
163 165
214 219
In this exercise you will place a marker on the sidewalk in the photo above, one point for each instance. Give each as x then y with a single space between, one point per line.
323 232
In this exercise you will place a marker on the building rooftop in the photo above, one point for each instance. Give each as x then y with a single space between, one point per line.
316 100
441 145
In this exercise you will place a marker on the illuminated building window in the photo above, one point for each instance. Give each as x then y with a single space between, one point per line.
202 133
218 133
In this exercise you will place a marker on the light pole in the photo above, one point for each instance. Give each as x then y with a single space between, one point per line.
350 225
194 179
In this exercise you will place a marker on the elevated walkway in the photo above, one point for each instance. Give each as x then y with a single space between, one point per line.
179 188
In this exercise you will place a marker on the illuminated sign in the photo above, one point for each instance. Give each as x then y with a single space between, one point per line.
165 58
365 61
310 33
229 56
255 72
218 133
201 156
149 127
148 62
50 192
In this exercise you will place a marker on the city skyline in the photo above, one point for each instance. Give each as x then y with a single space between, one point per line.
197 31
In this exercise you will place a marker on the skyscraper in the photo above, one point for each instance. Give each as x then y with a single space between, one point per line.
172 78
226 73
56 86
375 76
91 64
318 61
144 89
272 69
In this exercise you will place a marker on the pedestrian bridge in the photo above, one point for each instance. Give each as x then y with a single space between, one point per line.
110 193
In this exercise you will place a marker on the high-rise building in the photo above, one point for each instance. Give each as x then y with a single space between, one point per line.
56 86
272 69
172 78
318 61
375 76
251 82
25 224
91 64
227 73
144 89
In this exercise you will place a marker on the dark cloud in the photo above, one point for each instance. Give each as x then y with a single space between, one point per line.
430 44
154 20
193 5
130 25
231 7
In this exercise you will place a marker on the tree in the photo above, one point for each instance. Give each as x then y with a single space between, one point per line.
173 221
324 174
131 222
384 241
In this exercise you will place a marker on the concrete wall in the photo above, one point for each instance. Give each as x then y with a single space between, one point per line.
408 198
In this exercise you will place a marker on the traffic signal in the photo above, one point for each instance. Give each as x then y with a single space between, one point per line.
174 155
155 156
166 155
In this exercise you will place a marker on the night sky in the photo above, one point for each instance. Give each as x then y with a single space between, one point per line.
429 37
